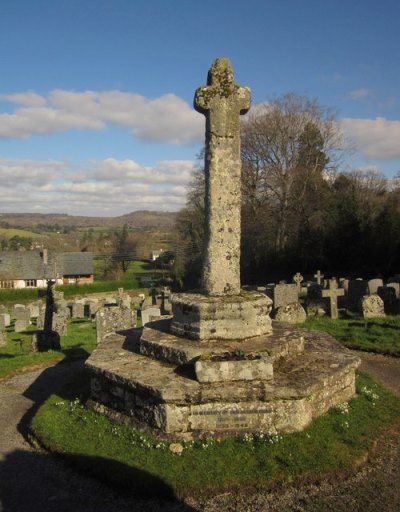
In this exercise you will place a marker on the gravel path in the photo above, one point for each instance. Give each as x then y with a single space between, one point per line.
31 480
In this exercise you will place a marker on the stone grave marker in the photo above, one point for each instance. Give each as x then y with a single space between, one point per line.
5 320
16 308
111 319
23 314
150 314
298 279
388 295
291 313
34 309
332 293
374 284
285 294
316 305
396 287
3 338
372 306
319 277
357 289
20 325
78 309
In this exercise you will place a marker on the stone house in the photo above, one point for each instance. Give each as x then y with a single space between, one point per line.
32 269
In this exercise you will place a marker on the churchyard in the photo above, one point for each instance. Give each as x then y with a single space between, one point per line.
228 386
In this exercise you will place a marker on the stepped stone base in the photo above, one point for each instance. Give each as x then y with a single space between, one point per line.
304 374
202 317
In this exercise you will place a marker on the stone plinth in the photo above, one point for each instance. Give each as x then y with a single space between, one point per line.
258 367
159 343
230 317
168 398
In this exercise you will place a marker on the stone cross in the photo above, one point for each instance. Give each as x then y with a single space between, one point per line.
333 293
318 276
222 102
298 279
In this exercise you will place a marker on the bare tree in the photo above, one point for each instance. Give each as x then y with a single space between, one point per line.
288 146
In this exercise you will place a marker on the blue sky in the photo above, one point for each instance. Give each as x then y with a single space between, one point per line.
96 96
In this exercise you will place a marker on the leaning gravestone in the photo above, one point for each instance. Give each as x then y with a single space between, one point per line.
372 306
113 319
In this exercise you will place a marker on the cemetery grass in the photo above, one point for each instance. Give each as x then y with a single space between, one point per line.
123 457
379 335
17 356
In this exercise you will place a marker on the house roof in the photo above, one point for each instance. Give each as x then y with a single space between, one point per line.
39 265
77 263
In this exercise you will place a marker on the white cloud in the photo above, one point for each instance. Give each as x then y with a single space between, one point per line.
374 138
359 94
166 119
106 187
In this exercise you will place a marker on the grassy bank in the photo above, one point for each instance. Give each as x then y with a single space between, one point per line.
380 335
126 458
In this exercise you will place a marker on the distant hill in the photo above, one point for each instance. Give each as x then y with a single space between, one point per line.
139 220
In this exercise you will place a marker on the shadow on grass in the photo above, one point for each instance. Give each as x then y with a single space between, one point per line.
32 482
22 474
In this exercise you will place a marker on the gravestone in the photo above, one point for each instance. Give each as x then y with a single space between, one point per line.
388 295
34 310
5 320
396 287
372 306
77 309
17 308
91 307
357 289
23 314
332 293
3 338
316 305
374 284
150 314
20 325
285 294
291 313
298 279
111 319
319 277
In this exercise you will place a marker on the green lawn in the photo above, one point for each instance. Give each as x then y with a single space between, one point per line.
16 355
381 335
127 458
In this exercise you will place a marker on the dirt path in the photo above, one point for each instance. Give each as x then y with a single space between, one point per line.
31 480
